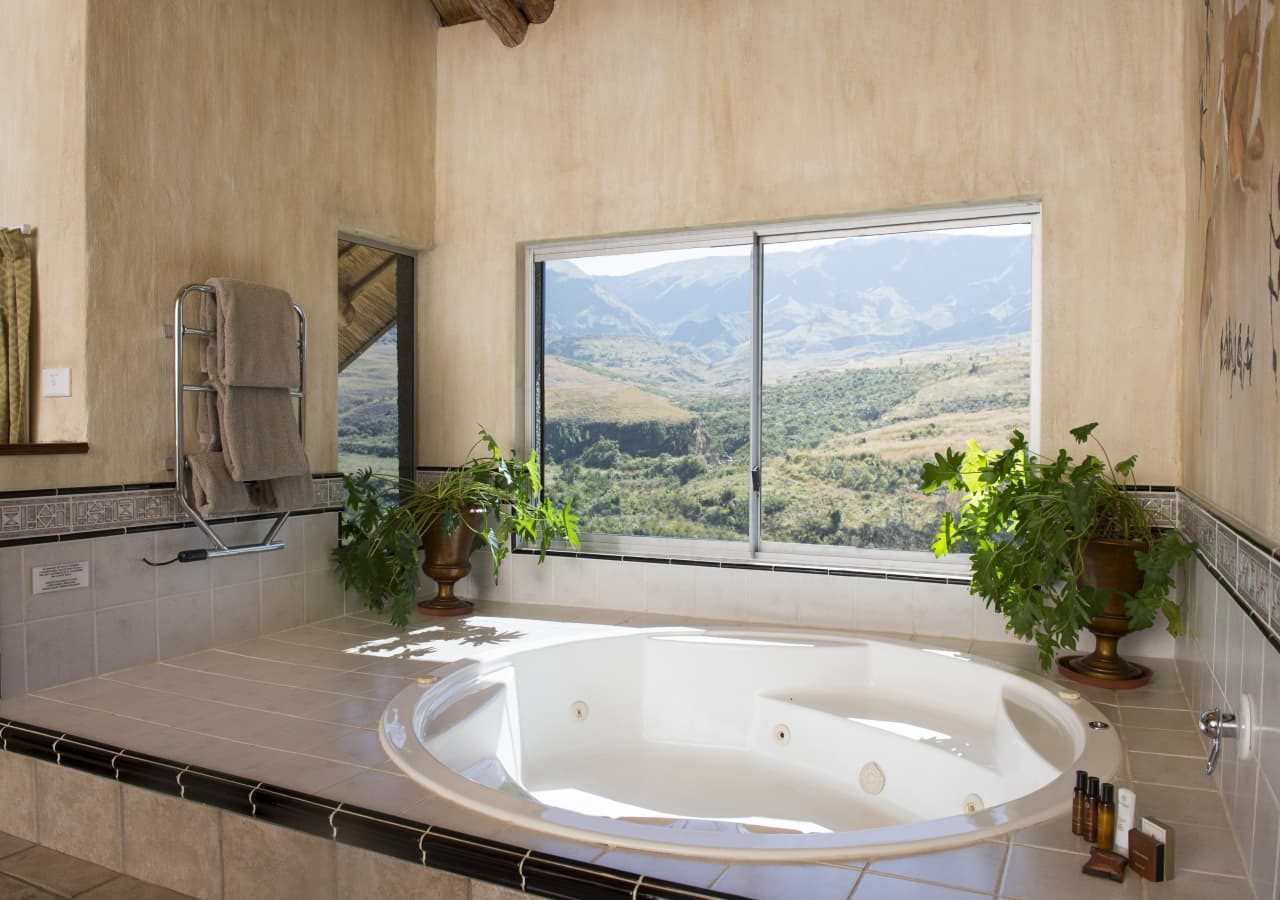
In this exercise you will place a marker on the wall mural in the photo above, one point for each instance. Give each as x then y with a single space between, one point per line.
1233 404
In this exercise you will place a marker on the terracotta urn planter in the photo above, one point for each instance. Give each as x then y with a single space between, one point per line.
1109 565
447 560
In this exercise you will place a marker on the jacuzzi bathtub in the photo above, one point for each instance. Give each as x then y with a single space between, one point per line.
749 744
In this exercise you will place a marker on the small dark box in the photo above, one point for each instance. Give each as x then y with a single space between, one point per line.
1146 855
1105 864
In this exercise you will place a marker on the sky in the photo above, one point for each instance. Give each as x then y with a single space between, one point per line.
626 263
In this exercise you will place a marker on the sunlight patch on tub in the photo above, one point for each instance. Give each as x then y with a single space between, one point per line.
734 641
589 804
904 729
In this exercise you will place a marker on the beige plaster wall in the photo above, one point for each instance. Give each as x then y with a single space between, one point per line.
618 116
238 138
42 184
1231 434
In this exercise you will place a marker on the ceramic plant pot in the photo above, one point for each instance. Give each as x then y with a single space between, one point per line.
1109 565
447 560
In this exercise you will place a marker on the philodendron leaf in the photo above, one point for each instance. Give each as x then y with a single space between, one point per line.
1124 468
1082 432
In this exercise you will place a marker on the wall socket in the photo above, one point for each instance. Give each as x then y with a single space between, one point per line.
55 382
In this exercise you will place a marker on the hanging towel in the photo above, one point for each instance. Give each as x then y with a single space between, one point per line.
207 429
256 329
212 488
259 433
252 364
280 494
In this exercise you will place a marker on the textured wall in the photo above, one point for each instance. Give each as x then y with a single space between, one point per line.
237 138
619 116
42 184
1232 316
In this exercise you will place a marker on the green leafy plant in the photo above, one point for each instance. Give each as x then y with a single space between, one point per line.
374 555
379 540
1026 520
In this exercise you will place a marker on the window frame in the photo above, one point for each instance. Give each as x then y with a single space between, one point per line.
529 388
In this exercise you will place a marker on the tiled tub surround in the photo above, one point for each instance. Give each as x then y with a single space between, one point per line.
1231 596
296 710
133 613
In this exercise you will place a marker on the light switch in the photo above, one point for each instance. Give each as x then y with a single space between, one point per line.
55 382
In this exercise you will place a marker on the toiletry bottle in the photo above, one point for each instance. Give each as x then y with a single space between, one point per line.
1126 803
1077 802
1106 827
1090 825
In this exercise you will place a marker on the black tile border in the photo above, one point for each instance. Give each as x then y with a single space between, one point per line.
415 842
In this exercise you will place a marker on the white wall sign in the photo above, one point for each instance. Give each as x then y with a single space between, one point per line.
59 577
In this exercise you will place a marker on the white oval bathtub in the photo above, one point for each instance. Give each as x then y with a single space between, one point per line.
749 744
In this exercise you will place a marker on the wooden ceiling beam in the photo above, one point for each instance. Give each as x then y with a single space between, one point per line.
537 11
505 18
455 12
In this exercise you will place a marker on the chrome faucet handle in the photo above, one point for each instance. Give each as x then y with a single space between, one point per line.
1216 725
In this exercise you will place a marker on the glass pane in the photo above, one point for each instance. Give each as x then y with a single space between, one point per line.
368 416
646 386
879 351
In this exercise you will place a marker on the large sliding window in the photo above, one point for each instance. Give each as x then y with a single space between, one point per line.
776 389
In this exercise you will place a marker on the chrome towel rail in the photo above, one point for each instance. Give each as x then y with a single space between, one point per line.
181 388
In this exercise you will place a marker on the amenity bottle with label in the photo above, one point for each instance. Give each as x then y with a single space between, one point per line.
1077 801
1090 830
1106 827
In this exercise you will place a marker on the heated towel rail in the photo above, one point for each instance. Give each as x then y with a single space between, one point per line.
180 390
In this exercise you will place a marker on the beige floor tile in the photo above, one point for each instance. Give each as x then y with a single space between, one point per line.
1175 743
380 792
1175 771
766 882
54 871
1195 886
13 889
310 774
1154 698
1036 874
481 890
10 845
358 712
1053 835
885 887
1208 850
975 868
1181 806
123 887
297 654
1168 719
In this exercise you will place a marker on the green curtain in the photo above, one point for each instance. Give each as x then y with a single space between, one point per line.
15 336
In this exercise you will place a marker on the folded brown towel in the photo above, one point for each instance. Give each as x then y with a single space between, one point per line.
213 490
257 335
207 429
259 433
294 492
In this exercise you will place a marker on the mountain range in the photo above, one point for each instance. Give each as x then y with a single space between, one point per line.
858 296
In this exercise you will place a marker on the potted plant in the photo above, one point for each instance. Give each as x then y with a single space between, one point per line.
1056 546
488 500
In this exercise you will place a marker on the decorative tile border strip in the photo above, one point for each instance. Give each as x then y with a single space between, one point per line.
415 842
30 517
1241 561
